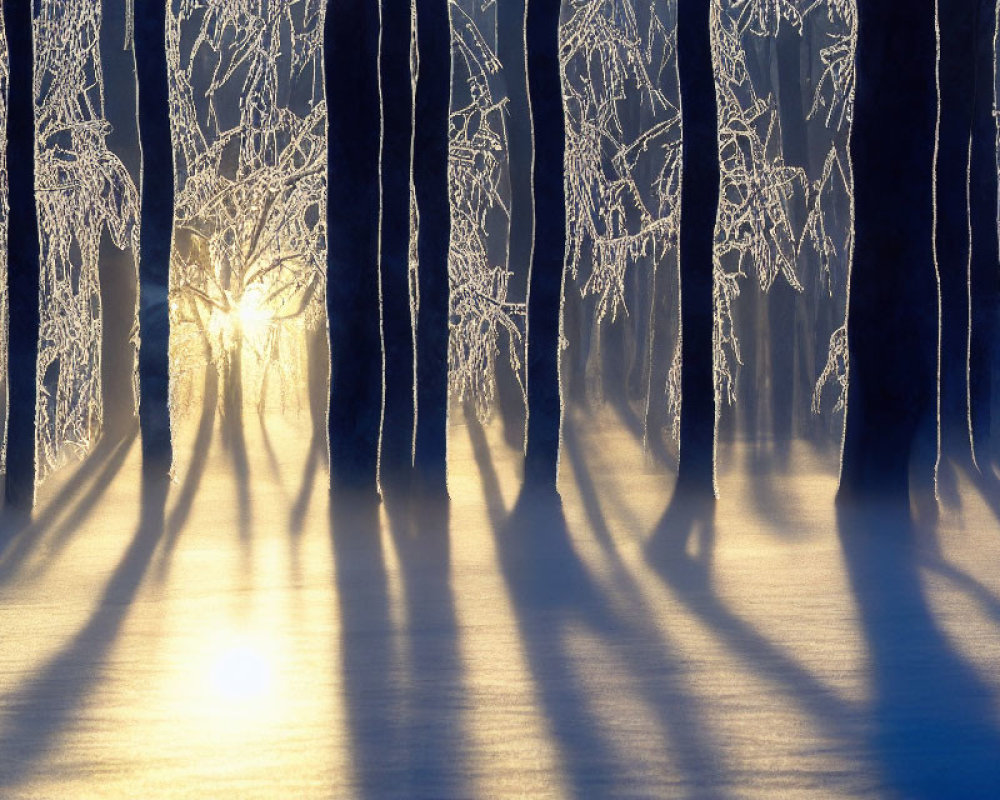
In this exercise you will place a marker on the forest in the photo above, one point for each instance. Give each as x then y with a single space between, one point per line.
460 398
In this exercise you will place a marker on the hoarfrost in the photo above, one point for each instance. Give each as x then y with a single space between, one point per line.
247 279
82 189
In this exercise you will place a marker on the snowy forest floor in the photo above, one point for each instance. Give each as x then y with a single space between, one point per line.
245 643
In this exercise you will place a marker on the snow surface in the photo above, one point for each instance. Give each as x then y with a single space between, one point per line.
248 644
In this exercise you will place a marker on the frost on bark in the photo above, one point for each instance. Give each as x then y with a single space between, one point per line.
83 190
248 120
784 235
618 62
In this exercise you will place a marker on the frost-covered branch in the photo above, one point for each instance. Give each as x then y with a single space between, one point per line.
83 190
249 256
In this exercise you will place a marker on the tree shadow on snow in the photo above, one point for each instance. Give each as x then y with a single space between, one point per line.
58 691
432 721
933 721
930 729
680 550
20 537
403 689
369 652
553 595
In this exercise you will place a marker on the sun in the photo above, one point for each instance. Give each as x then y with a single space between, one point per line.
241 672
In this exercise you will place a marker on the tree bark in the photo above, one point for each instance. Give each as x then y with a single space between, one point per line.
23 258
699 209
957 69
397 328
892 329
545 282
517 126
350 39
118 267
430 180
985 267
784 300
157 217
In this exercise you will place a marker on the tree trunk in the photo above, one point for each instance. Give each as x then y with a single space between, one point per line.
23 259
157 217
350 41
430 180
545 282
957 78
397 324
517 126
893 322
783 299
117 266
699 208
985 267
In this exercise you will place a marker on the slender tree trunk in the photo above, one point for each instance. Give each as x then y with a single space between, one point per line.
157 217
893 321
985 268
430 180
699 208
397 325
957 77
545 282
784 300
517 125
22 258
351 75
117 266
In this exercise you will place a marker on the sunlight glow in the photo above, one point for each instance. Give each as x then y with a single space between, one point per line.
254 316
241 672
243 318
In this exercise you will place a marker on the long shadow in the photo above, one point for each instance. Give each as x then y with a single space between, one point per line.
319 367
676 712
20 536
195 472
552 594
681 550
986 482
432 724
37 714
61 534
241 472
314 460
933 726
547 584
651 439
371 674
265 437
988 601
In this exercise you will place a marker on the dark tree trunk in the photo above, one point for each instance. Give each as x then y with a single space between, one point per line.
893 322
430 180
517 125
397 328
957 77
699 208
157 220
22 258
545 282
784 299
350 40
985 269
117 266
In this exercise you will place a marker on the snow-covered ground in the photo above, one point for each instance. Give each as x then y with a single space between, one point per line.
246 643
